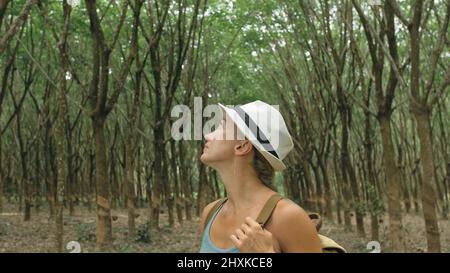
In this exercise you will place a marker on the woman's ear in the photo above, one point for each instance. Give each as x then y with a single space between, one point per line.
243 147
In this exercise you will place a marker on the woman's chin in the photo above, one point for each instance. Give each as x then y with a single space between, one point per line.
204 158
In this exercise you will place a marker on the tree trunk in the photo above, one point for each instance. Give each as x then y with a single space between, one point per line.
2 177
396 234
328 199
20 21
2 173
129 189
175 176
187 191
156 188
318 196
428 191
3 6
70 175
167 186
346 165
104 225
422 115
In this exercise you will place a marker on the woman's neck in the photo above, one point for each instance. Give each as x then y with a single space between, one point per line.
244 188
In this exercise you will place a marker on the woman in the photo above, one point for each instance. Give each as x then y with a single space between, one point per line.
246 166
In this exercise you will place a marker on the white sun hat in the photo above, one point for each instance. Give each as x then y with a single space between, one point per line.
264 126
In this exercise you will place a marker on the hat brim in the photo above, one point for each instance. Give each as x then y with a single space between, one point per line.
275 162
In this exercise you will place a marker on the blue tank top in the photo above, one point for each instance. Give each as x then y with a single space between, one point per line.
208 246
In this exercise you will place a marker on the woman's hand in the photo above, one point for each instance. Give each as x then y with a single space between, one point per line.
251 237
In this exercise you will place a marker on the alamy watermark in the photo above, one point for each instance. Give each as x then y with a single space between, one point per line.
374 2
73 3
261 124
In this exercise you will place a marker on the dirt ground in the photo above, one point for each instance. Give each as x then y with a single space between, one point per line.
37 234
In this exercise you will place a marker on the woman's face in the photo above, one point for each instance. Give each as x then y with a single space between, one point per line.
220 144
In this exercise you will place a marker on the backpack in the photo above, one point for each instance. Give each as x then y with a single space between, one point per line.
328 245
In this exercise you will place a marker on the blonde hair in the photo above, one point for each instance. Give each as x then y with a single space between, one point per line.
263 169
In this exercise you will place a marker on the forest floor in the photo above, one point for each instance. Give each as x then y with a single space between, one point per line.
36 235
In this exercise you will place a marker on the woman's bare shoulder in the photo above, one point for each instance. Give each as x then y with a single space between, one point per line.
288 210
293 228
205 212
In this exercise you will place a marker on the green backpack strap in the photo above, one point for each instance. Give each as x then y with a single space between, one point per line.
216 206
268 208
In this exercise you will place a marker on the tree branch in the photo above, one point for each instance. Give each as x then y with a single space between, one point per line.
397 11
6 39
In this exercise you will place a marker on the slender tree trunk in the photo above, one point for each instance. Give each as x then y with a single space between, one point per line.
104 225
70 174
175 176
319 196
327 194
140 191
428 191
187 192
37 179
3 6
25 189
339 191
156 189
373 194
129 189
18 23
101 106
1 174
422 115
167 187
344 180
158 133
131 145
346 164
393 192
446 164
